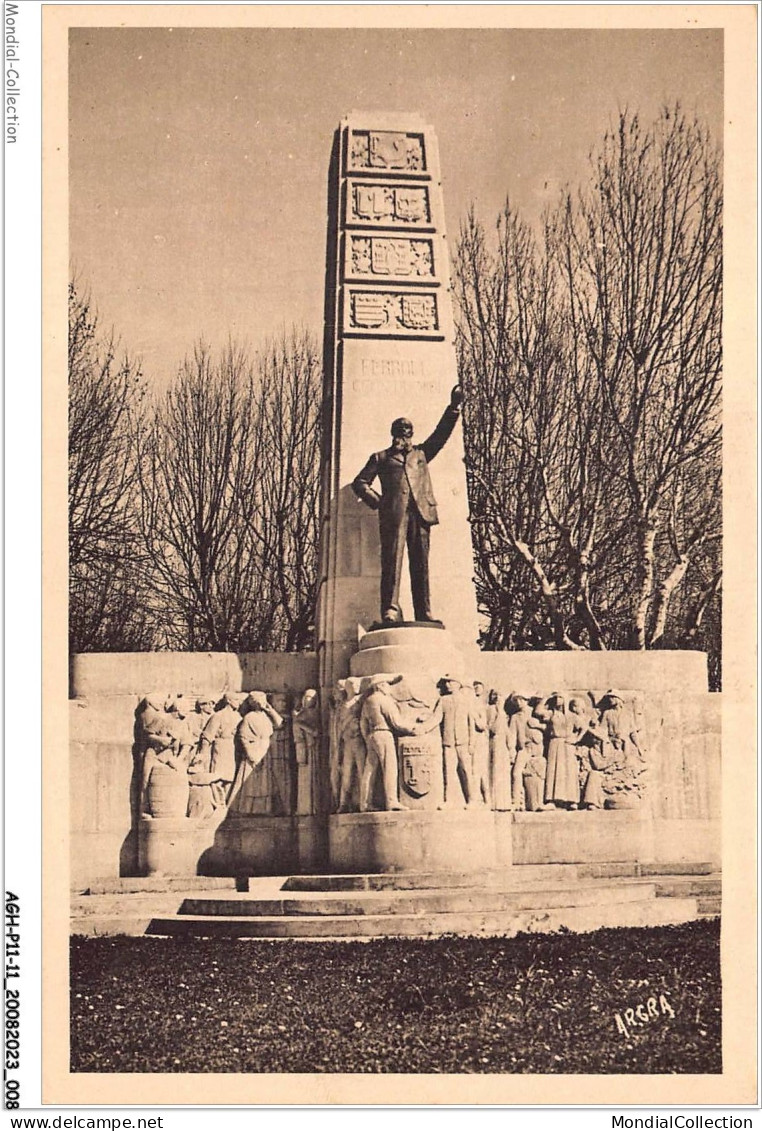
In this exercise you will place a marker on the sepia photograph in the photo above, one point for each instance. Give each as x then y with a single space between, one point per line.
393 570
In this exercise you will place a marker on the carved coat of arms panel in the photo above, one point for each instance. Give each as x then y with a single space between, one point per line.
387 150
370 257
392 313
388 205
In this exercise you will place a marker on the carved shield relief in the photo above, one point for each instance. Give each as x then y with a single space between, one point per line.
416 770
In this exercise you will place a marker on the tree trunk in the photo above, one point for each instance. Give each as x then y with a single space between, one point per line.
702 604
644 580
584 607
548 590
663 596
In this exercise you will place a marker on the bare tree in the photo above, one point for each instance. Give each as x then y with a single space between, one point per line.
290 377
643 252
509 366
537 484
591 354
106 389
228 472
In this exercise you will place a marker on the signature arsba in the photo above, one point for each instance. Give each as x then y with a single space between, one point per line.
635 1017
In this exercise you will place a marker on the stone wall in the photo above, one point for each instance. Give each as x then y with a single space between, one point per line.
137 673
659 672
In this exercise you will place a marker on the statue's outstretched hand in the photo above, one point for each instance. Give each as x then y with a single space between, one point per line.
456 397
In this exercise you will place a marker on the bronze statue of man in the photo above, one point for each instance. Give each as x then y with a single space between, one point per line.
406 508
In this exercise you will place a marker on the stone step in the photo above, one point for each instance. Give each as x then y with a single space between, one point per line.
385 881
133 884
130 904
268 895
688 885
496 879
417 903
147 904
500 879
97 926
678 868
506 923
579 892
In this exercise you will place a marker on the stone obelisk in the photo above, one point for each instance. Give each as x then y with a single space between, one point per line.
389 352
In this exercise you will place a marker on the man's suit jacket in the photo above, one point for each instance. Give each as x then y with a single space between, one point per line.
404 474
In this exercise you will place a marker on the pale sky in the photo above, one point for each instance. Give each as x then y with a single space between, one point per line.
199 157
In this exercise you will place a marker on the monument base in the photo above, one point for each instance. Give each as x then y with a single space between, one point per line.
177 846
231 846
686 840
682 724
412 648
448 841
579 837
415 841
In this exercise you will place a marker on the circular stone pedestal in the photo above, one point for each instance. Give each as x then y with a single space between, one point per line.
417 841
412 648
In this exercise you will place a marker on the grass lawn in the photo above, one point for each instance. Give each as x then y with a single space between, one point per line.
534 1003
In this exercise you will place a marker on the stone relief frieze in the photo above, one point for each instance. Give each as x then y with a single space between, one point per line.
399 743
393 742
247 754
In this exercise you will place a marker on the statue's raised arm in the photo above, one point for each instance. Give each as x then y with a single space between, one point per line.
441 434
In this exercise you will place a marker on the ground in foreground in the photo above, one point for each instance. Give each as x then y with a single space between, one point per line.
534 1003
